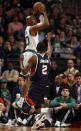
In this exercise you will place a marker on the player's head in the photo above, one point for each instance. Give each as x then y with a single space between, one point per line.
41 47
31 20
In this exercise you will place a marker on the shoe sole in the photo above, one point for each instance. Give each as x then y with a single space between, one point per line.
57 125
39 122
65 125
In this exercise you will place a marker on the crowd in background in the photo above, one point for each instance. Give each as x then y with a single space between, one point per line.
65 33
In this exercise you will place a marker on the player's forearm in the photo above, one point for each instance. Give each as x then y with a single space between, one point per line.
58 108
49 51
46 22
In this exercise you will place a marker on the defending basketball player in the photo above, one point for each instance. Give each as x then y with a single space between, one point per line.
31 37
39 65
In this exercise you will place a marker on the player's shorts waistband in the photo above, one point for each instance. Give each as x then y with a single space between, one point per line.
28 50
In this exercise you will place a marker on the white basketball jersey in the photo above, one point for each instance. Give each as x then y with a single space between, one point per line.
31 41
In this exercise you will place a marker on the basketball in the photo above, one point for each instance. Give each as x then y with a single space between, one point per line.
39 7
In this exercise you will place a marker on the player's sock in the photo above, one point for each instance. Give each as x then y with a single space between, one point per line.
21 99
19 102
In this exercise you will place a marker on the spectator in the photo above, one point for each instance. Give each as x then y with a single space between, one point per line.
51 22
67 29
55 12
19 49
21 17
27 12
18 89
79 33
76 92
1 66
63 106
54 71
64 79
77 51
70 80
77 20
70 69
10 13
69 37
10 53
12 41
6 96
2 23
60 8
11 75
74 42
62 24
14 26
63 39
74 26
56 45
78 64
68 19
21 33
17 93
3 51
54 89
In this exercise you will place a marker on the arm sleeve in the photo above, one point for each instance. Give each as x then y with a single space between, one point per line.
72 103
55 102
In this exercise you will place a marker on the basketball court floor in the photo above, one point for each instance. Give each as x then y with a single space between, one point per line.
20 128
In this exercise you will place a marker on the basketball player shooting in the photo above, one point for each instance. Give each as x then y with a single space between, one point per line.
31 37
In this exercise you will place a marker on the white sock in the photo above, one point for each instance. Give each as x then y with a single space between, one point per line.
22 99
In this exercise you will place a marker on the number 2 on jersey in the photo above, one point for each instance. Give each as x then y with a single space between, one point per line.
44 69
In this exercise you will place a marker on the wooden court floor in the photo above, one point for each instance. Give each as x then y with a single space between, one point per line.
9 128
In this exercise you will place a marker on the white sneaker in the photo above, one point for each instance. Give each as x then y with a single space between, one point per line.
65 124
13 121
19 121
57 124
37 117
24 122
39 121
9 123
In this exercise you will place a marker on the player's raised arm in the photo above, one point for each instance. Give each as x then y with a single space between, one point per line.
49 49
42 25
